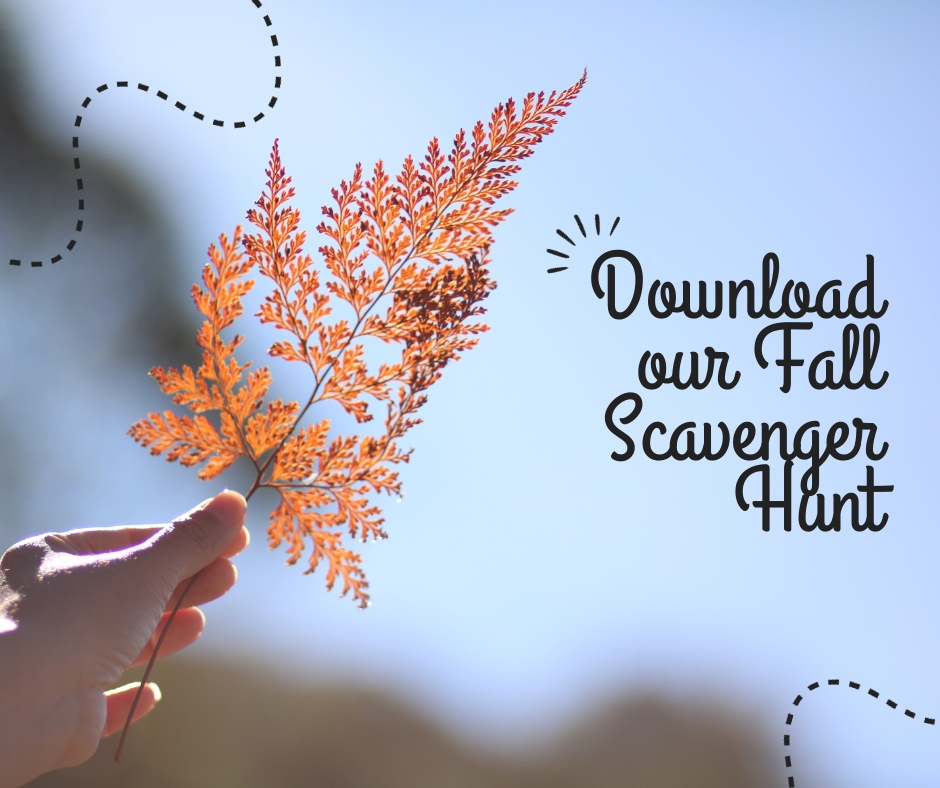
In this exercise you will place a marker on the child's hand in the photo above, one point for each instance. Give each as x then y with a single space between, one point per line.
79 608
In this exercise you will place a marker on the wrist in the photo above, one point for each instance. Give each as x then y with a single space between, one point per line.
39 717
16 723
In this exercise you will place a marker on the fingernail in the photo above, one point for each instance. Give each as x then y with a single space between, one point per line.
229 507
157 695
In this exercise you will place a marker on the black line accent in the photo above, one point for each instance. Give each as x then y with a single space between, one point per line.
56 259
566 237
580 226
616 222
834 683
141 86
557 254
790 782
556 270
597 223
36 264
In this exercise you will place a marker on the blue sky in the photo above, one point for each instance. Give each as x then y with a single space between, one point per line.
528 575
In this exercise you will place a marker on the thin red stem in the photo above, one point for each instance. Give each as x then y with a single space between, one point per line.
156 648
153 658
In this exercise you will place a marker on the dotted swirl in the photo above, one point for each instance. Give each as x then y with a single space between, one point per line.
162 96
854 685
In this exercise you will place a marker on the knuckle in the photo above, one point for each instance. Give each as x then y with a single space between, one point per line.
23 560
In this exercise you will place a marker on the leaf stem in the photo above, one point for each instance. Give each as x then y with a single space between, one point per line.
153 658
156 650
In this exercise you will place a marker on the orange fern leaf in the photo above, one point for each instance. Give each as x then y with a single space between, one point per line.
407 256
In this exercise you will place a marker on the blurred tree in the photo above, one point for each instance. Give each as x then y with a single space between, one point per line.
104 314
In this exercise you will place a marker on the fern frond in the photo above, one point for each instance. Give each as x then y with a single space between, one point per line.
407 253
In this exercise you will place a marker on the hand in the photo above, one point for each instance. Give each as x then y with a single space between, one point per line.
79 608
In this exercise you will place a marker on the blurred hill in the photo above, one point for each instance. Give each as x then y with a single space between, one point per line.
240 726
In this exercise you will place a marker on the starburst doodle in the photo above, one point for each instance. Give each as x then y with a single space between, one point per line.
406 257
563 234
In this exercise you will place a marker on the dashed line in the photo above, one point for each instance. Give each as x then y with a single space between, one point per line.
240 124
891 704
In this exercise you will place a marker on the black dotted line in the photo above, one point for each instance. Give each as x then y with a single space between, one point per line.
788 760
240 124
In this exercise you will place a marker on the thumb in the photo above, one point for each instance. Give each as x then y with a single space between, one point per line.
195 539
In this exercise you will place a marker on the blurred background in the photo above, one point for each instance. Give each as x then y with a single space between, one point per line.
541 615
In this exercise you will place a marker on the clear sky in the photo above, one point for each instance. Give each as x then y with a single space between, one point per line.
528 574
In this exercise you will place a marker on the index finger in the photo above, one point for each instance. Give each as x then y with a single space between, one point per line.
239 543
